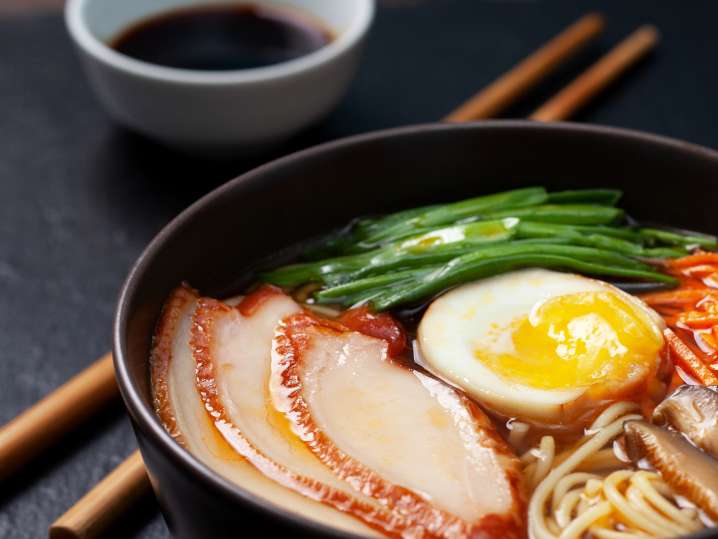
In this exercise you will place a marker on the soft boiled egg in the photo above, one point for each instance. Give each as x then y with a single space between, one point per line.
542 345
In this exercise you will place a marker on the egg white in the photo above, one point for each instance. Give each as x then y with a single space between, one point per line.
466 319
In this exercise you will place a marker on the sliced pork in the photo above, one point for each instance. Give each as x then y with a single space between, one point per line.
232 353
394 433
181 409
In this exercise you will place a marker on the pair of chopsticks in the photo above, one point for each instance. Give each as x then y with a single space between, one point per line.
76 401
500 94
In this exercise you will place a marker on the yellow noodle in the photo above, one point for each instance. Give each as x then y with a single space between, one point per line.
544 461
583 506
517 433
628 510
584 521
642 481
554 527
636 499
604 533
593 487
601 460
537 504
566 483
613 412
582 502
563 513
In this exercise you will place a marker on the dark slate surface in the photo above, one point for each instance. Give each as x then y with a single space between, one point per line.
79 197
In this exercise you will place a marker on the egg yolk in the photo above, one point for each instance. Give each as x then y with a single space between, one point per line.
577 340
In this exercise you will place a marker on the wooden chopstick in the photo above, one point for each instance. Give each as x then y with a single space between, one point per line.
501 93
71 404
101 506
574 96
96 510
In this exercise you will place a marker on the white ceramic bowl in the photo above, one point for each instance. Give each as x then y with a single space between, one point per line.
216 110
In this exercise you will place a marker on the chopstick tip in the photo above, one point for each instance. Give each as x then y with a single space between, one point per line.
650 32
595 18
644 38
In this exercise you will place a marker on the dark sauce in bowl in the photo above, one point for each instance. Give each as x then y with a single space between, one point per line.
222 37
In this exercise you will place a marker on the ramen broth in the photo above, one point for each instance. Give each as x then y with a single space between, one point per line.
416 361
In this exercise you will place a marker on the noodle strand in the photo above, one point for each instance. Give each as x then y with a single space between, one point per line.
571 500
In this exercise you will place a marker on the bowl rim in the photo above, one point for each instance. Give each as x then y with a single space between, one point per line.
145 418
347 39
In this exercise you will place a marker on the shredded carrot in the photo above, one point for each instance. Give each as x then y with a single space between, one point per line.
680 297
701 257
709 304
700 272
691 314
689 361
698 320
709 338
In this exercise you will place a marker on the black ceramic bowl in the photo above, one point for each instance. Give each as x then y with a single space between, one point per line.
216 242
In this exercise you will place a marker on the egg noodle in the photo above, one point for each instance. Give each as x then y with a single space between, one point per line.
589 491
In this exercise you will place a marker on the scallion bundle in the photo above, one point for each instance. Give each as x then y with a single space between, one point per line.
406 257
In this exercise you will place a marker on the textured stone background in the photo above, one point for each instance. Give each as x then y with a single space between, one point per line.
79 197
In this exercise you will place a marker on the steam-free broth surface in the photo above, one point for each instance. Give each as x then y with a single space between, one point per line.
223 37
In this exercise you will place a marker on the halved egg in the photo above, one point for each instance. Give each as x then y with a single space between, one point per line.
542 345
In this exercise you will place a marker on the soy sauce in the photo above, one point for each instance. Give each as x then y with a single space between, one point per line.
222 37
